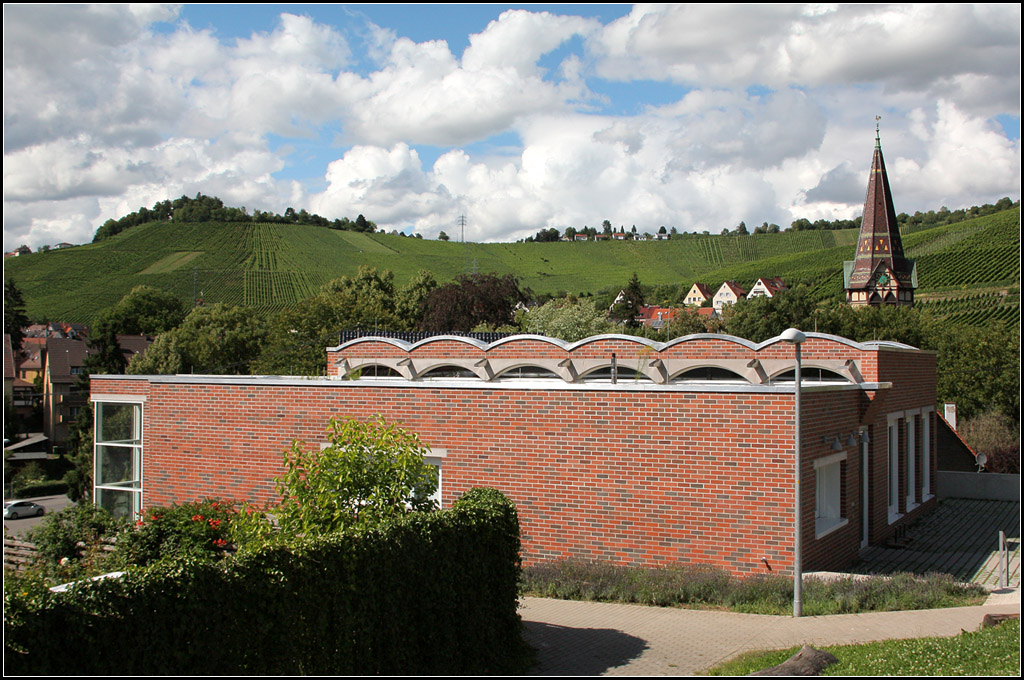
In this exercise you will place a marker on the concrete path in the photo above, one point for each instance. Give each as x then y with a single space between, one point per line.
591 638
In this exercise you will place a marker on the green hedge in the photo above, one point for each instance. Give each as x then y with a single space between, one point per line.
428 594
42 488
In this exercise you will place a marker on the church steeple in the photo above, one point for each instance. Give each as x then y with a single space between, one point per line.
880 274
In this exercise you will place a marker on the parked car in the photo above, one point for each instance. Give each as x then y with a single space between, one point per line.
16 509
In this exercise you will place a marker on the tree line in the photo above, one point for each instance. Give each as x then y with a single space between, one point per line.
212 209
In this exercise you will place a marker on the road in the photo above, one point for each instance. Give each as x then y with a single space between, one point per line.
18 527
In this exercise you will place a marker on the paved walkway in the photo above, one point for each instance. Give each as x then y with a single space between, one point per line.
590 638
593 638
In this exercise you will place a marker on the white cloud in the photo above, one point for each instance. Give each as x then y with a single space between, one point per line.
917 47
103 114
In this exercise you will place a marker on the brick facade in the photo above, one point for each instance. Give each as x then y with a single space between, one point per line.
647 470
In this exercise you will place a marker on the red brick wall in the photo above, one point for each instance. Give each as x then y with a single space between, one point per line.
639 476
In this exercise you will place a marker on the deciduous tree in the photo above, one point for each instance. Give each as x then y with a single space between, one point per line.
369 472
471 300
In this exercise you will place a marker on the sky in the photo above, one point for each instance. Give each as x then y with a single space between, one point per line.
520 118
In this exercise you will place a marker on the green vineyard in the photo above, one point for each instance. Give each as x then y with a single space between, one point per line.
967 271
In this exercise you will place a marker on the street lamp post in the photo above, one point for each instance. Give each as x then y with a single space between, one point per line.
796 338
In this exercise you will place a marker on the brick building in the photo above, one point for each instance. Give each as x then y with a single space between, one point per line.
613 447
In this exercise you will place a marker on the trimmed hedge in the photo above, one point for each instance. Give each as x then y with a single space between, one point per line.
427 594
43 488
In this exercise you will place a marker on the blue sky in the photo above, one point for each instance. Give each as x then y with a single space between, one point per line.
520 117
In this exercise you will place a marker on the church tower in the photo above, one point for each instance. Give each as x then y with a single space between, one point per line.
880 274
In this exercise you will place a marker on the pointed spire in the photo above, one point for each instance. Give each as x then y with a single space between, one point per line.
880 258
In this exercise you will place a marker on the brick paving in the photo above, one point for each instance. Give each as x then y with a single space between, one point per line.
960 538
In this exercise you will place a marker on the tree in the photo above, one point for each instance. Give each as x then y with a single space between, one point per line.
442 236
628 309
469 301
410 301
764 317
145 311
688 321
15 319
369 472
566 319
216 339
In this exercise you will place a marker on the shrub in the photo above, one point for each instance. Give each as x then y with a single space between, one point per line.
69 541
369 472
998 437
420 594
198 530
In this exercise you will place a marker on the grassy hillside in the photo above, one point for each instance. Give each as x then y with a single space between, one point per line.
963 268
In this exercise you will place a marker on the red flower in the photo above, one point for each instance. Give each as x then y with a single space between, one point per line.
220 542
197 518
139 523
214 523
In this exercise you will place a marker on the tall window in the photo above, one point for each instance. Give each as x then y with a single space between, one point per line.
828 507
117 459
911 462
894 468
926 455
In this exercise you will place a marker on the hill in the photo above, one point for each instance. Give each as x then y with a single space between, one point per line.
970 269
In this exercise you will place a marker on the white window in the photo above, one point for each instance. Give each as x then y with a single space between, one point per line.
911 461
894 468
926 455
828 507
435 462
117 457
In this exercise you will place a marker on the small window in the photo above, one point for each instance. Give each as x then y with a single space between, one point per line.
828 507
449 372
528 373
810 374
623 374
709 373
375 371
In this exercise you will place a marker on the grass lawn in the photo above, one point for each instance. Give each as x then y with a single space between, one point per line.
990 651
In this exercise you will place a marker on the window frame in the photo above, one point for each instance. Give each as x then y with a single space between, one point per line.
893 460
829 483
134 486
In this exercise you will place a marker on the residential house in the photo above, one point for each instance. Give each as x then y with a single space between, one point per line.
728 294
767 287
705 476
698 294
63 376
656 317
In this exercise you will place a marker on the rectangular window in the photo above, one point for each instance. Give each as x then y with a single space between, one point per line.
894 468
828 507
926 455
911 461
117 457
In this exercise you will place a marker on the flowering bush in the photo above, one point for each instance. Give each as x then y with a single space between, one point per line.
199 529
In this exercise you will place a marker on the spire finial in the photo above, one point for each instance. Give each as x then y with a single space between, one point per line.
878 139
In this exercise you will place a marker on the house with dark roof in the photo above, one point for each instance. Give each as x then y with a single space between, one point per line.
63 375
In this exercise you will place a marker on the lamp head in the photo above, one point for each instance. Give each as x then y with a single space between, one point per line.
793 336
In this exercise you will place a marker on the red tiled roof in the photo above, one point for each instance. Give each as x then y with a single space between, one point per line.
736 288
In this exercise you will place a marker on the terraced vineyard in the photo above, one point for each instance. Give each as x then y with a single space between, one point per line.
269 266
